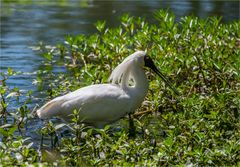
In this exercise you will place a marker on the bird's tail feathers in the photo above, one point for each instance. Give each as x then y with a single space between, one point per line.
50 109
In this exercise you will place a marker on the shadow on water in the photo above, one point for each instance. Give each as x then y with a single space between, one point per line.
25 23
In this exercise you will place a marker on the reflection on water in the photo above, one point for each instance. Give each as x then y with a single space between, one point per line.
26 23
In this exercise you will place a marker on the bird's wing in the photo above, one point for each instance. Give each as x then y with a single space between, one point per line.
104 102
96 102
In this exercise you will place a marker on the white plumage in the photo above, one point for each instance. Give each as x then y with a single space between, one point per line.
102 104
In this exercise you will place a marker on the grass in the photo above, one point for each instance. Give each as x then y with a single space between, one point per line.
200 127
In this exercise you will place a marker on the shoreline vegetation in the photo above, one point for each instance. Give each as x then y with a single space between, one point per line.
200 127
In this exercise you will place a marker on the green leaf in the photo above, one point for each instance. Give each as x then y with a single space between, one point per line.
2 145
10 71
48 56
16 144
59 126
100 25
12 130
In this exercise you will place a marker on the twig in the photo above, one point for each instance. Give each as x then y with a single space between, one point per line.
137 114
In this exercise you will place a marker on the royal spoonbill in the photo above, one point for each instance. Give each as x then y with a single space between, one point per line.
103 104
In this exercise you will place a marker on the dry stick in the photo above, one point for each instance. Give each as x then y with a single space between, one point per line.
137 114
190 90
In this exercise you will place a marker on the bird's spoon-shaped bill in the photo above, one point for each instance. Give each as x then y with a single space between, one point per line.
149 63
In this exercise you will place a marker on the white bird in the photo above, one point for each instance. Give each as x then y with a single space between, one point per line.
103 104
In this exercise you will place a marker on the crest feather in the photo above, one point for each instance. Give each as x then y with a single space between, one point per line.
122 73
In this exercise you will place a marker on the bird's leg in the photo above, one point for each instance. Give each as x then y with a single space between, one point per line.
56 140
132 129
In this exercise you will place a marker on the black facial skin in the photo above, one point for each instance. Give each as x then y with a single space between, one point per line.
149 63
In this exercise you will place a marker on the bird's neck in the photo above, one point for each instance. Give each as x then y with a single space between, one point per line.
140 86
140 80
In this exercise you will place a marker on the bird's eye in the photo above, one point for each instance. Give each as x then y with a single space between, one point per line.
148 61
146 58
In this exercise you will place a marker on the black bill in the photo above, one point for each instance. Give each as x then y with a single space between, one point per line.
149 63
